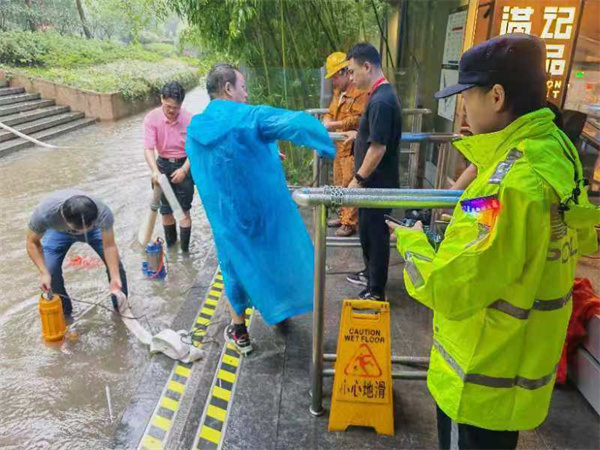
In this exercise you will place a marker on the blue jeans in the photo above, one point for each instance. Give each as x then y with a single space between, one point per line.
56 244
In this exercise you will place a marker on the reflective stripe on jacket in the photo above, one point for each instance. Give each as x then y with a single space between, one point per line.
500 284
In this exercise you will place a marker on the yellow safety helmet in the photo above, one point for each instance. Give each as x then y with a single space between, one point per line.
335 62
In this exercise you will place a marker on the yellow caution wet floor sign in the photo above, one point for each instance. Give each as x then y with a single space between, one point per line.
362 387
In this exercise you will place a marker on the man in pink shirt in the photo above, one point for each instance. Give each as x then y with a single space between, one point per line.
165 131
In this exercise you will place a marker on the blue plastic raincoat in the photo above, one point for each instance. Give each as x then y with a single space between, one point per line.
264 250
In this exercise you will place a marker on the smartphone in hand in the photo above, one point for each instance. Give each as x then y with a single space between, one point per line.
393 219
404 223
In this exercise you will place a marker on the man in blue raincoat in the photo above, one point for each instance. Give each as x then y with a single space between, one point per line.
264 250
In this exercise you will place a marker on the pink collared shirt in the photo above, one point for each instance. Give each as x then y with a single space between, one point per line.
167 138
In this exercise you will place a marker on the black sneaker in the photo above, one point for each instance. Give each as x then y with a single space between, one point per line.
368 295
238 336
358 278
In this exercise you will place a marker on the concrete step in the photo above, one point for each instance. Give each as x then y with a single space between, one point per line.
25 106
6 148
4 91
41 124
12 99
28 116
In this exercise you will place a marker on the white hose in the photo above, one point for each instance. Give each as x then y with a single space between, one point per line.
169 342
27 138
163 181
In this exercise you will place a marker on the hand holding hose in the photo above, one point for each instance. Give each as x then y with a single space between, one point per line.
178 176
115 285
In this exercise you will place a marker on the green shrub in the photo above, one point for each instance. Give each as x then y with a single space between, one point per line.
165 50
96 65
50 49
19 48
148 37
134 79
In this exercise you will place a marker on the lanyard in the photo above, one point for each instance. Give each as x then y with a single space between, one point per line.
377 84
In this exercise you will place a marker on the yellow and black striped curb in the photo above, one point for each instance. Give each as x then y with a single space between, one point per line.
218 404
163 417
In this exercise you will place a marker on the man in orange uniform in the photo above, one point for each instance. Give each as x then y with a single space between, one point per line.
345 109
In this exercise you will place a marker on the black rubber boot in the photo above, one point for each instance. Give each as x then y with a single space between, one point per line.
170 234
184 238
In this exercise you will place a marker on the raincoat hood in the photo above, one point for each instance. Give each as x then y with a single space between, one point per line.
219 117
265 123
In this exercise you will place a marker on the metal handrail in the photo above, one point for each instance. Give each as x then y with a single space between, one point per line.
319 198
377 198
437 138
406 112
317 111
320 175
414 139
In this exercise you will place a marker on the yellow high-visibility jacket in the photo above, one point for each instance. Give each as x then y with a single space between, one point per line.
500 283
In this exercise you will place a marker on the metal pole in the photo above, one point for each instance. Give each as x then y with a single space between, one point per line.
316 168
364 199
415 148
319 199
350 243
320 216
405 112
323 172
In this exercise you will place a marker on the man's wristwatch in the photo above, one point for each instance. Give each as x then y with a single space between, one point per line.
359 179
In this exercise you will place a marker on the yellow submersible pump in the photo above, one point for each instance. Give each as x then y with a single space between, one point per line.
54 327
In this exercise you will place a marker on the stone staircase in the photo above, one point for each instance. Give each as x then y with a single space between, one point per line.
35 117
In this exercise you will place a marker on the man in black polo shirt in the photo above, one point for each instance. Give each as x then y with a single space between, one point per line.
375 162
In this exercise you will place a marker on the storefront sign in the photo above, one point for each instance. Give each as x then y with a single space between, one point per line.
556 22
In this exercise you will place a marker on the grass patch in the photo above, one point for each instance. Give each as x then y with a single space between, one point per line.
96 65
134 79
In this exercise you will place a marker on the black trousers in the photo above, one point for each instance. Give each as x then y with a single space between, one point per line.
375 243
454 435
184 191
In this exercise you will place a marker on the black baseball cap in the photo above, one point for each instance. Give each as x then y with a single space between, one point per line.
515 57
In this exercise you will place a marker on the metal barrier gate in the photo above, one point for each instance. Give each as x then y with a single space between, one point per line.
319 199
321 169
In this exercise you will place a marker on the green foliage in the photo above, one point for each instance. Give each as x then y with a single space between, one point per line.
101 66
131 21
165 50
134 79
148 37
50 49
19 48
285 33
283 43
17 14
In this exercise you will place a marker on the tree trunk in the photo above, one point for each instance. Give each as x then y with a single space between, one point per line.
30 18
86 29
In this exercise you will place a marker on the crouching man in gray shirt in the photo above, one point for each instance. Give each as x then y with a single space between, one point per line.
60 220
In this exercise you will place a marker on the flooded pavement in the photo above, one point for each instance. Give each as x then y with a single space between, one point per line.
54 396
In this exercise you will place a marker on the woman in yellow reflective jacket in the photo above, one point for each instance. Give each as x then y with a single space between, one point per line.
500 283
